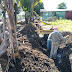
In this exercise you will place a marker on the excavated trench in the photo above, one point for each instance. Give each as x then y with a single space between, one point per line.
64 56
35 57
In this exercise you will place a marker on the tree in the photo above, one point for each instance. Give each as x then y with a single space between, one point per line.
26 4
38 7
10 46
62 6
28 7
8 4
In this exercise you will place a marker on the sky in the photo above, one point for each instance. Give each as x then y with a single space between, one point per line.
52 4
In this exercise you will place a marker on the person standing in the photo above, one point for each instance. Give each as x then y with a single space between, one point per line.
54 39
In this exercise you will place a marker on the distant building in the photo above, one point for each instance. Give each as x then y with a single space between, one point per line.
60 13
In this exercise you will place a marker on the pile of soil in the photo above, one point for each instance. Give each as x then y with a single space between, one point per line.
35 57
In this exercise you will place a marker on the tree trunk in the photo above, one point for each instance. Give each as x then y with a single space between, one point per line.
28 20
11 25
3 48
15 14
4 24
27 17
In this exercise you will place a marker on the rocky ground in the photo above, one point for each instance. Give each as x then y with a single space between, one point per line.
35 57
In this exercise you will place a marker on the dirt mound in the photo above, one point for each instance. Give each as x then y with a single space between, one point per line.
63 62
33 55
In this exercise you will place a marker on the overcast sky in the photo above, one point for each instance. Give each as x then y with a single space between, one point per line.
52 4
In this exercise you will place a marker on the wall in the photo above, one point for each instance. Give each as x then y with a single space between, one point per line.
68 15
46 15
60 14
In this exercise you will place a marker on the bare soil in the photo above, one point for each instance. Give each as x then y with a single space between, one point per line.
35 57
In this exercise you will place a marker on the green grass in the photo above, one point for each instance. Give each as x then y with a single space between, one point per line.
62 25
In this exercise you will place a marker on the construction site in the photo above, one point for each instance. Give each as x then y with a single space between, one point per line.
23 46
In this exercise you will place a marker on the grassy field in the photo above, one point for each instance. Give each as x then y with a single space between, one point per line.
62 25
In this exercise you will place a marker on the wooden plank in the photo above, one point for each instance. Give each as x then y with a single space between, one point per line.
44 31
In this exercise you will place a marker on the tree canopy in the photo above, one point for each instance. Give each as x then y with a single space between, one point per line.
38 7
27 5
62 6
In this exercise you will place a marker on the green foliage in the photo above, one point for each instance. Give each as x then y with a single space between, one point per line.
38 7
26 4
62 6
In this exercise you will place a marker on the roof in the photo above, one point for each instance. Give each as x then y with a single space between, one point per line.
44 10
